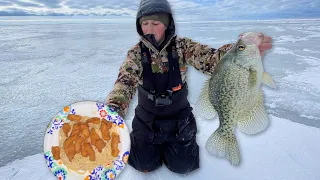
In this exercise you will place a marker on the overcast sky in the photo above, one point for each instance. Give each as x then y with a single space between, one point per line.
183 9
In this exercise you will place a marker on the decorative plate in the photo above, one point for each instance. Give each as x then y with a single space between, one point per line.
107 171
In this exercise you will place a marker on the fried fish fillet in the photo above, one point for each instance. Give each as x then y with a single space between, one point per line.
74 117
66 128
93 120
105 127
55 152
114 144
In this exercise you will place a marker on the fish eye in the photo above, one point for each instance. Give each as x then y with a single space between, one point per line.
241 47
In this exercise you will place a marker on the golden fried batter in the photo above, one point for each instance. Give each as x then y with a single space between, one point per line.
74 117
88 148
86 139
93 120
114 144
78 144
100 144
85 132
75 130
84 153
94 136
66 128
105 127
69 141
55 152
70 152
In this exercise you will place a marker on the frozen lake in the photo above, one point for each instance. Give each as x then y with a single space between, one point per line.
47 63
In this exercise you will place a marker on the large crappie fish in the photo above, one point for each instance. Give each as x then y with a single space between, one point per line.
233 91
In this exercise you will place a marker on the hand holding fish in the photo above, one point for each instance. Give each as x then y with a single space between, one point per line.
266 44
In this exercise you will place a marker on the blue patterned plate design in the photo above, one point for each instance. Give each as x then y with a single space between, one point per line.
107 171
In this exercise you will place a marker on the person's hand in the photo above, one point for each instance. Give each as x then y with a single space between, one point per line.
266 44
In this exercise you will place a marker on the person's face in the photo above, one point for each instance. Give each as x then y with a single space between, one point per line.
156 28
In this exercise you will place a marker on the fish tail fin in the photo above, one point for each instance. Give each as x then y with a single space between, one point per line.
224 144
256 120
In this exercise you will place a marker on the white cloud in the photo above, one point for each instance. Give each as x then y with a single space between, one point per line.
182 9
234 9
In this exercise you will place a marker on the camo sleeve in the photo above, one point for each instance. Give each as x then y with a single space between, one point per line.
127 82
202 57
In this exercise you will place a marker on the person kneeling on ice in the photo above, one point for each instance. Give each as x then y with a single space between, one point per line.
164 128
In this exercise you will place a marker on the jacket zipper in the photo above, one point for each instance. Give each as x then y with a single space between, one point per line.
150 46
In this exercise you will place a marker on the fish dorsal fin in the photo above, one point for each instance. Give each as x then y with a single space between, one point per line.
203 105
267 80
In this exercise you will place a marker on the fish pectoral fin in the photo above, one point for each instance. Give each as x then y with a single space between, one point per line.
203 105
255 120
267 80
224 144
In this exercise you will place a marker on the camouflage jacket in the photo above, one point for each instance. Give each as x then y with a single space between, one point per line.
202 57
